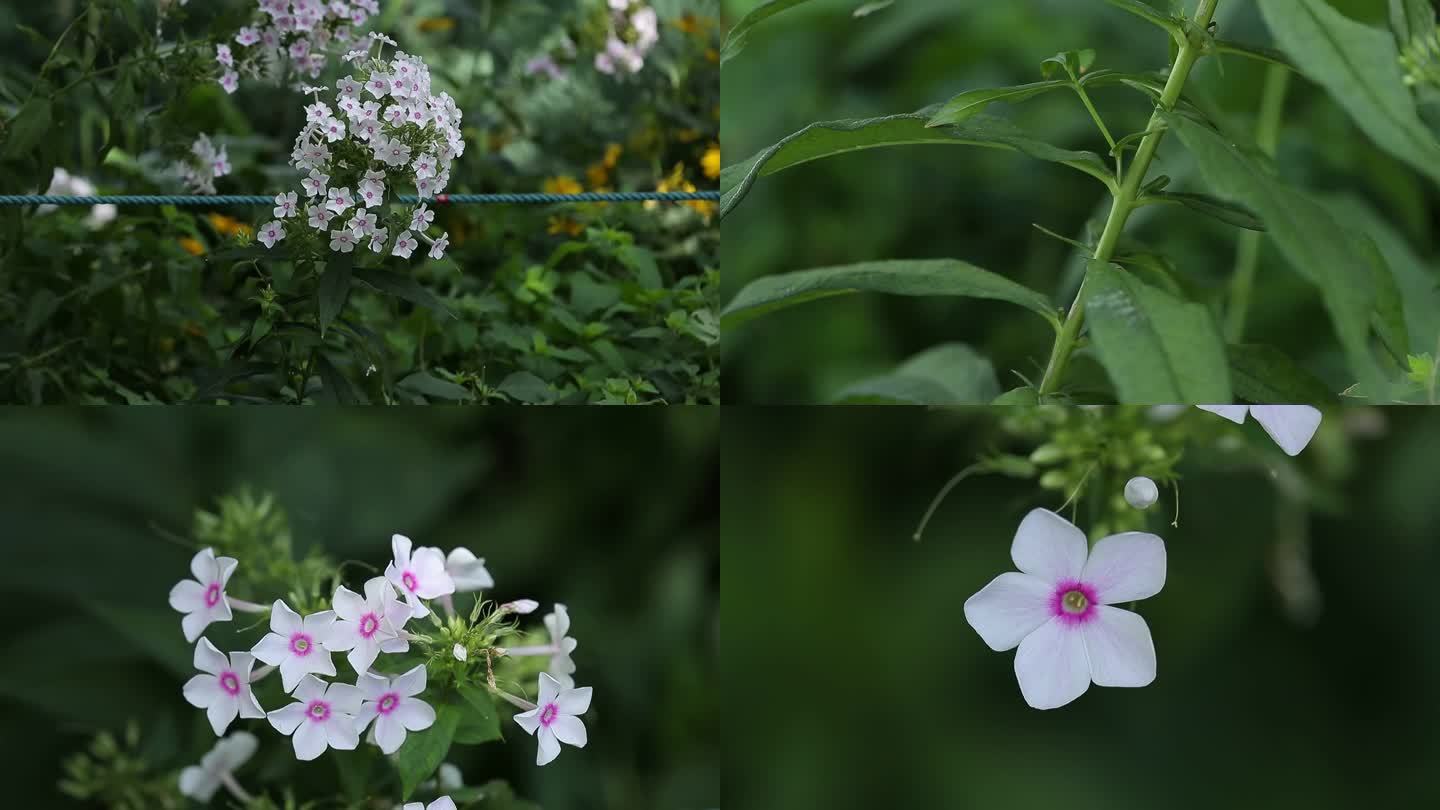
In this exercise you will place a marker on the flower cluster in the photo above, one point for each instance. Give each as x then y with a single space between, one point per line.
334 714
63 183
301 32
204 164
635 29
383 131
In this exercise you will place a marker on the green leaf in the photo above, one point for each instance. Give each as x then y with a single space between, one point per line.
401 286
1157 348
333 289
423 751
973 102
1256 52
1073 63
926 277
949 374
1149 14
525 387
1018 397
479 722
828 138
735 40
1360 67
1265 376
1410 19
1316 246
338 388
1214 207
28 127
423 382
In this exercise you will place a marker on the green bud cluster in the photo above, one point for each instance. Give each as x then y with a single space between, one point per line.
1421 60
113 773
254 528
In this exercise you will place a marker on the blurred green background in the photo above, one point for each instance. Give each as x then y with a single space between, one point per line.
818 62
855 682
614 514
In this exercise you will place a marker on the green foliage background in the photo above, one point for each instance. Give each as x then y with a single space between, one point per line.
847 644
613 514
819 62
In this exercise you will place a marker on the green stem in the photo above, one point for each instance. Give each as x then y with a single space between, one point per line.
1247 251
1099 122
1125 198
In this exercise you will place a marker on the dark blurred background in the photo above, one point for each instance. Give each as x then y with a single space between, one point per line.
614 514
854 680
819 62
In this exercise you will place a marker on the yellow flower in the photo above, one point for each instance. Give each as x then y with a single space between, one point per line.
228 226
565 225
563 184
192 246
596 174
710 162
432 24
612 155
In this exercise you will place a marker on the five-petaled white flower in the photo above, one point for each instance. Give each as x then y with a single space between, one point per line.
1060 611
320 217
362 223
367 626
425 166
555 718
202 599
561 665
333 129
342 240
321 717
393 705
285 204
437 248
200 782
405 244
377 239
271 232
223 687
230 81
378 85
421 219
316 183
442 803
466 570
339 200
296 645
1291 426
418 576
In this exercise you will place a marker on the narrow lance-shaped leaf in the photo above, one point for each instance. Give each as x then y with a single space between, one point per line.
829 138
950 374
921 278
1360 67
1214 207
1265 376
1256 52
735 40
1157 348
1151 15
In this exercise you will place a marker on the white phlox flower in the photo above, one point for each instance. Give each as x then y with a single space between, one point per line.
442 803
405 244
205 165
394 707
199 782
63 183
271 232
321 717
418 576
1059 610
1291 426
368 626
202 599
223 687
465 569
561 666
296 645
555 718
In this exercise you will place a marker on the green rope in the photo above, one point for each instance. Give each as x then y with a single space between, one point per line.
409 199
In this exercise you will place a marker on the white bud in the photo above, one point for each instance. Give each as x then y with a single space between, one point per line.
460 654
1141 492
520 606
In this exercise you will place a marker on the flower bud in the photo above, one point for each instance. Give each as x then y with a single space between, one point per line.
1047 453
460 653
520 606
1055 479
1141 492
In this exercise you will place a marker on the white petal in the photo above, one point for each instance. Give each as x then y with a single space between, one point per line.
318 662
569 730
194 624
529 720
415 715
1235 413
546 747
292 670
318 624
288 718
310 688
372 686
272 649
377 590
1009 609
236 750
362 656
400 545
341 733
429 565
389 734
574 701
1120 648
1051 665
283 620
1291 426
208 659
250 707
342 636
203 566
1126 567
221 714
343 697
348 604
187 596
202 691
442 803
558 623
467 571
198 784
310 741
412 682
226 566
549 688
1049 546
368 712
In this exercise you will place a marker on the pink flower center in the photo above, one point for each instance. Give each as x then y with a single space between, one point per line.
301 645
212 595
410 582
548 715
230 683
318 711
368 625
388 703
1073 602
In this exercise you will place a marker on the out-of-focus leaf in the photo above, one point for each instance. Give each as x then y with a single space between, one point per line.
951 374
